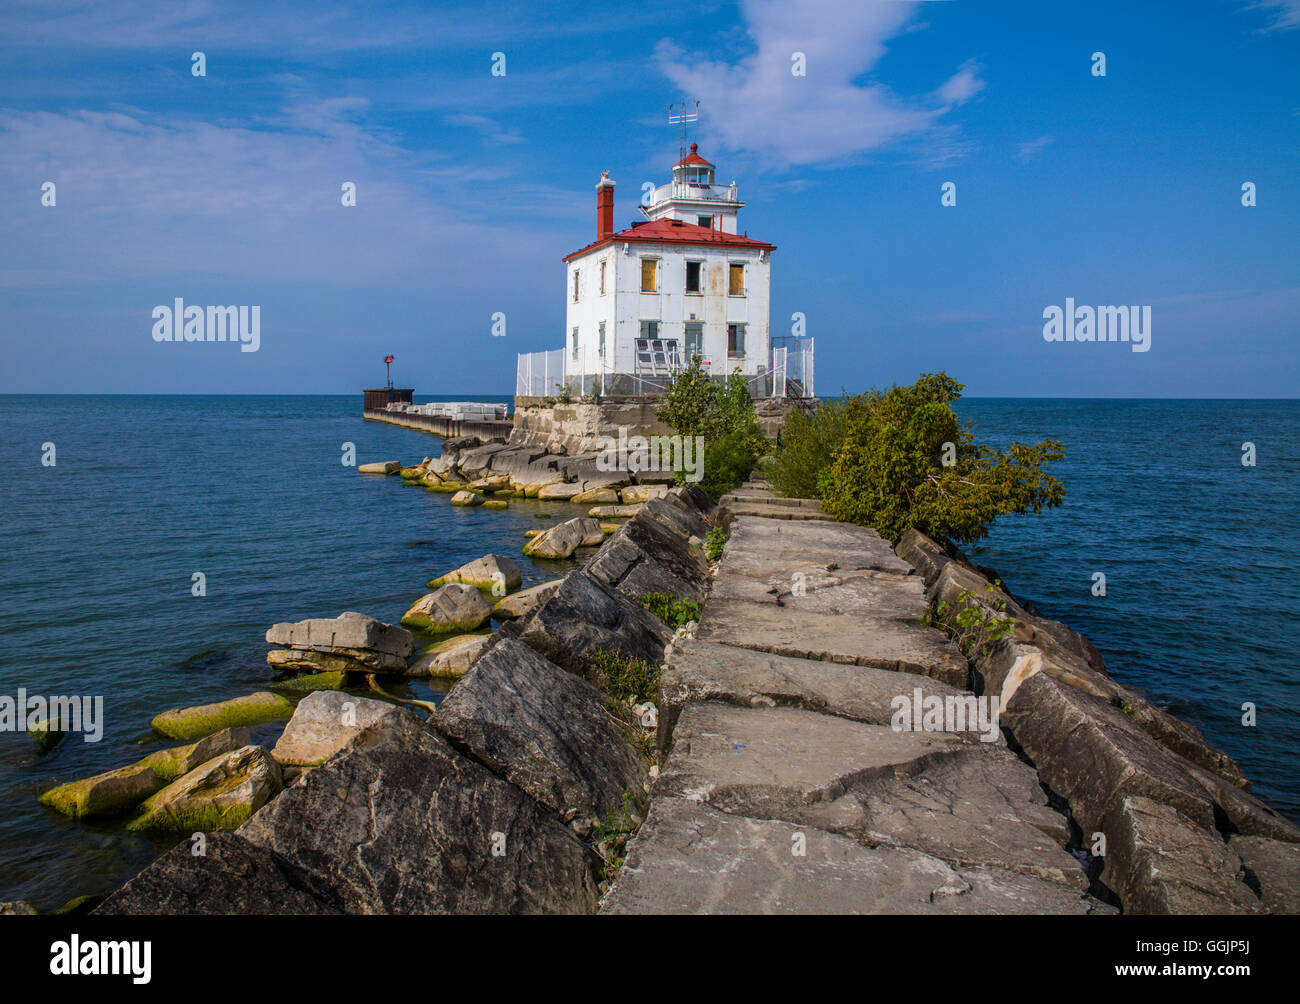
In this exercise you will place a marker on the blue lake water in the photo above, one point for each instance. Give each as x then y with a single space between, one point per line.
98 552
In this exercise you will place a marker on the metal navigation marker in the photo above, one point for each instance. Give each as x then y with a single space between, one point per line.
681 117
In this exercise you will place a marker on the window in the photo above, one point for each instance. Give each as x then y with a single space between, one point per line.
575 344
736 279
602 331
649 275
735 341
705 221
602 278
694 339
649 329
575 285
693 276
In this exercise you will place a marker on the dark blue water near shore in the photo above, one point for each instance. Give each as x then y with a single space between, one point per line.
98 552
97 558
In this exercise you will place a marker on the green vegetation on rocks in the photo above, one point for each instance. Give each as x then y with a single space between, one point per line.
672 610
902 459
722 413
204 719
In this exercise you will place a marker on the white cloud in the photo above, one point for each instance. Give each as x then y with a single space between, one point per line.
1030 149
1285 14
755 105
141 197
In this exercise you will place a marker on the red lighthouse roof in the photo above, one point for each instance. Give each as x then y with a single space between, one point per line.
675 232
693 159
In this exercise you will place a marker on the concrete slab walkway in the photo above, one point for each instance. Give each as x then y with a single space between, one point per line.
784 786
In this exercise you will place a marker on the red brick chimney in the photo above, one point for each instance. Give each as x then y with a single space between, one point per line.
604 207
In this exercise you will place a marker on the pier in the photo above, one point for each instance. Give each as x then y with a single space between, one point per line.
375 408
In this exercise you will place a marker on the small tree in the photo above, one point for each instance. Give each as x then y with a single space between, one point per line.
721 413
906 461
806 447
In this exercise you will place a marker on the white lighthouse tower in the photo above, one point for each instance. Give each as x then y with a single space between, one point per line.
684 281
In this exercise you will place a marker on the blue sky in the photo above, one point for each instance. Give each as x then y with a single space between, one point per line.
1123 189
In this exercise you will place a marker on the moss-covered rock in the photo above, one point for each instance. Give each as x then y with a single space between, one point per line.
496 504
123 789
204 719
218 795
451 609
490 573
308 682
451 657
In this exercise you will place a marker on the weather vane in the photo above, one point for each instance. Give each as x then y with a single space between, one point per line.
682 117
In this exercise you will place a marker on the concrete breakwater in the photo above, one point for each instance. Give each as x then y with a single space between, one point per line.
781 782
440 425
787 785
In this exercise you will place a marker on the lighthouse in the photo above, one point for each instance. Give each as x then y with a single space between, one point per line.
682 281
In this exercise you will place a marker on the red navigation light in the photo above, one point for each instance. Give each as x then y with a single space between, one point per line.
388 359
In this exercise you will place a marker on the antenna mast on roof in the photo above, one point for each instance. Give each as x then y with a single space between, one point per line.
681 117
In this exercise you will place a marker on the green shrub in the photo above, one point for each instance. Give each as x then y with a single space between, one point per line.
626 679
805 448
672 610
714 541
888 471
722 413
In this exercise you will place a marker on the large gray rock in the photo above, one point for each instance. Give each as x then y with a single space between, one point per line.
585 617
474 463
453 608
1093 756
400 822
232 877
562 540
348 630
646 556
323 723
1159 862
543 729
524 602
350 642
451 657
219 794
690 858
1245 813
490 573
1272 871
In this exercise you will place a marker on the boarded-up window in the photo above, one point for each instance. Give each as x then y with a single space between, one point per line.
648 277
693 276
575 285
735 341
649 329
736 280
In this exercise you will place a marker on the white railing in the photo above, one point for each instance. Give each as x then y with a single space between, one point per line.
539 374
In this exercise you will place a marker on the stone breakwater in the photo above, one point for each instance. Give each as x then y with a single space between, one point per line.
780 784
